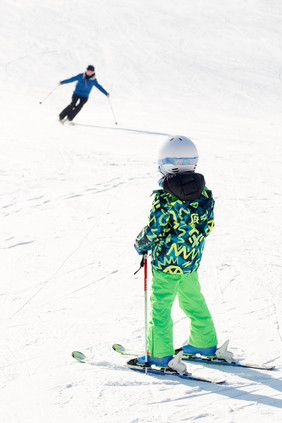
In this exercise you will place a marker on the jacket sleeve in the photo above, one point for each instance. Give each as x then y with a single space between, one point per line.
74 78
209 223
100 88
154 231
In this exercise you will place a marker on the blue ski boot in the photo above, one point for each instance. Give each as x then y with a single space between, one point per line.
157 361
207 352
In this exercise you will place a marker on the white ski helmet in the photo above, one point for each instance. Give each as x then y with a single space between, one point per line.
177 154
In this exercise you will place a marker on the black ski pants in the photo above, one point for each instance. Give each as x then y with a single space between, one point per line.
73 108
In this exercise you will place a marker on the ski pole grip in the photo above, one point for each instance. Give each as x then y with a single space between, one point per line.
142 263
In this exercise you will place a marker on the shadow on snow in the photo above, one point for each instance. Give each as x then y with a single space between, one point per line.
138 131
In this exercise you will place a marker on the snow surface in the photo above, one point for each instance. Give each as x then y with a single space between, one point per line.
74 198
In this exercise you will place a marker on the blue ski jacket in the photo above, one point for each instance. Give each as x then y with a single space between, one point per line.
84 86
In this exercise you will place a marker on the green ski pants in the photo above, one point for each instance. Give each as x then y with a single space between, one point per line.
165 287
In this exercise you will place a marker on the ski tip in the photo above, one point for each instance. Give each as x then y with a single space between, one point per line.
79 356
119 348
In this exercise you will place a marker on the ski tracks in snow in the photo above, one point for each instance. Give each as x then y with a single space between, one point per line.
75 250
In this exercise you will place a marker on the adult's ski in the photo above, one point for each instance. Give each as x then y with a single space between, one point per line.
201 359
131 364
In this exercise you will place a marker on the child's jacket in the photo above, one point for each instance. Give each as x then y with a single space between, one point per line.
178 225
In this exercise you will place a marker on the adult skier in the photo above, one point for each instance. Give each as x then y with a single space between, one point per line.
180 219
85 82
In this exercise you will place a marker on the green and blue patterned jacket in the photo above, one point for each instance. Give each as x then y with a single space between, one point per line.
180 219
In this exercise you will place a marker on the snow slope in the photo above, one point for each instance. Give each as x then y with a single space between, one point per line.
74 198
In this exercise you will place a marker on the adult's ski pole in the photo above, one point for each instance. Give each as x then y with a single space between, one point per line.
115 119
40 102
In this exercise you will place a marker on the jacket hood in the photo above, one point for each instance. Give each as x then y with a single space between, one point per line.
185 186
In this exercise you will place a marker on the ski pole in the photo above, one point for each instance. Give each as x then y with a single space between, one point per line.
40 102
112 110
145 257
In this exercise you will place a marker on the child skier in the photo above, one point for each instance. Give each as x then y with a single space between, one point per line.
85 83
180 219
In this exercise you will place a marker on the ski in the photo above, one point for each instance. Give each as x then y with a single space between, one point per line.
131 364
200 359
234 363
